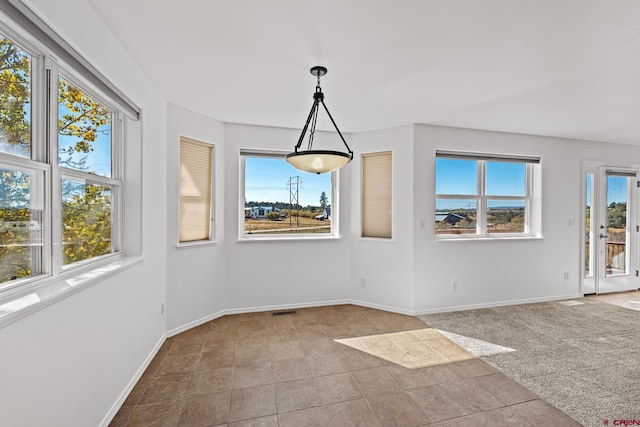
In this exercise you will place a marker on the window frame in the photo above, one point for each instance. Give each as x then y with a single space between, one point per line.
532 166
212 222
280 154
45 69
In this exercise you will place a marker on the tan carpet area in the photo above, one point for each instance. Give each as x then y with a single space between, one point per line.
329 366
582 356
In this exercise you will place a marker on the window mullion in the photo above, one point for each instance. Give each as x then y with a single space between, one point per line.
55 185
481 221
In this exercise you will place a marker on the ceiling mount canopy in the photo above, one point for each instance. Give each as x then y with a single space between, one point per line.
318 161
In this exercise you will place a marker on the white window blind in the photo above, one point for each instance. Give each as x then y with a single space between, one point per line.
376 194
195 190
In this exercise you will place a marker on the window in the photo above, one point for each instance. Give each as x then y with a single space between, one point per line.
279 201
376 194
60 166
485 195
195 190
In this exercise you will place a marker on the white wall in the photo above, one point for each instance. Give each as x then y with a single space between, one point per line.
68 364
386 265
268 274
501 272
197 274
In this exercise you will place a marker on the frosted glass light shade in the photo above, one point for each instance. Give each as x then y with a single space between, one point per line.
318 161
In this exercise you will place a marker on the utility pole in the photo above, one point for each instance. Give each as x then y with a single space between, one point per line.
294 188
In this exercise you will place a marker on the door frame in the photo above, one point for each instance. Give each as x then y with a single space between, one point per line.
596 169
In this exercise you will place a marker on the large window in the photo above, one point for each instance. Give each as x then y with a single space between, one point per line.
376 194
60 167
484 195
196 159
279 201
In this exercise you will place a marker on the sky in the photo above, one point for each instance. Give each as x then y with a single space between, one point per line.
456 176
266 180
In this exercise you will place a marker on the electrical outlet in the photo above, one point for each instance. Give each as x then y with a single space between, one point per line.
454 286
363 282
566 275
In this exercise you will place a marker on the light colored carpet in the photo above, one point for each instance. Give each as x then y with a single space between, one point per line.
581 356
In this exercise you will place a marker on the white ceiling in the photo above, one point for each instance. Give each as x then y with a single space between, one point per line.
567 68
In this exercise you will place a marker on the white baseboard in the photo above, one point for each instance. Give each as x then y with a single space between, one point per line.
285 306
382 307
493 304
195 323
125 393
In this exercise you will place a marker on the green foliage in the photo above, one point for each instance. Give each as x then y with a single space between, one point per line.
86 223
84 121
324 201
15 98
617 215
273 216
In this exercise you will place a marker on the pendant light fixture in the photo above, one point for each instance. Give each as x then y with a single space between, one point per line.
318 161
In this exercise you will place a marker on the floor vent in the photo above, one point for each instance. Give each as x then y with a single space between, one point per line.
283 313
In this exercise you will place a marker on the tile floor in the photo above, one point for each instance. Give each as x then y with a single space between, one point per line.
629 300
329 366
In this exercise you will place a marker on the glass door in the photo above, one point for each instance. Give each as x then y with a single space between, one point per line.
611 231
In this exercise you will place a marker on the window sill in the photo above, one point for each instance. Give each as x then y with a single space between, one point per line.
487 238
198 244
376 239
285 238
50 290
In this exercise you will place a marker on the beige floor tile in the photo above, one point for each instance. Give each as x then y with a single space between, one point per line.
506 390
250 354
318 346
159 414
436 404
311 417
473 368
356 360
252 402
337 388
205 410
396 410
470 395
308 332
179 363
137 392
400 372
418 350
295 395
392 354
216 357
328 364
290 369
376 341
442 373
403 336
252 375
188 346
211 381
375 381
268 421
540 413
122 417
282 335
285 350
351 413
166 387
496 417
